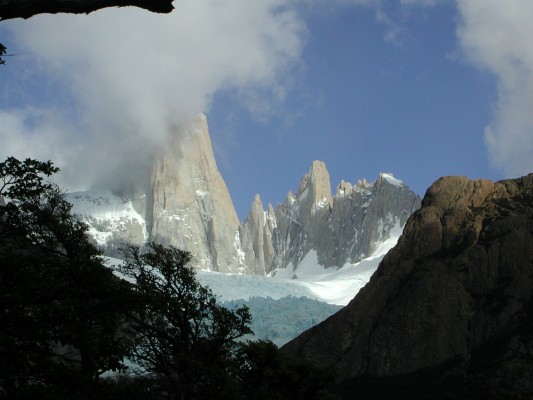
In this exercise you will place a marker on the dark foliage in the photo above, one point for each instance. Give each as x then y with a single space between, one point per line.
3 50
66 318
182 335
60 307
268 374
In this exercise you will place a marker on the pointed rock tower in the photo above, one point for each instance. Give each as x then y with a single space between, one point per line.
188 203
256 238
301 218
340 229
183 201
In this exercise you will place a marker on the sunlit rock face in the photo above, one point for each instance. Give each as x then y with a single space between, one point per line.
455 295
256 238
188 203
342 229
183 201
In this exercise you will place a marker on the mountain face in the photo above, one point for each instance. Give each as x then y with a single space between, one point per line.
455 296
344 228
185 203
188 203
341 228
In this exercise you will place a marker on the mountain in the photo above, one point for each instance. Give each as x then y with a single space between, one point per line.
342 229
184 202
448 313
189 205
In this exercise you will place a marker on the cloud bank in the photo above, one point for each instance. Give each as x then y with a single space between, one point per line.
496 36
131 76
127 78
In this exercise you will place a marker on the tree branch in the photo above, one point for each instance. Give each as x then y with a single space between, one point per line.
28 8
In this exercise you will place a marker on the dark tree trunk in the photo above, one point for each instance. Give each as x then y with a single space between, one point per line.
29 8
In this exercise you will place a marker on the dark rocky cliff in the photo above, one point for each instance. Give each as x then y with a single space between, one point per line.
454 296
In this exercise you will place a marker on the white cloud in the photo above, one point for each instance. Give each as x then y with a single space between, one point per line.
134 75
40 134
496 36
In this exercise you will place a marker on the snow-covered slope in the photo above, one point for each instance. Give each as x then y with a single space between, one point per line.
113 222
331 285
336 286
284 305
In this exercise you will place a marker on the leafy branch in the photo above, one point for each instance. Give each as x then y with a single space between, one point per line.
3 50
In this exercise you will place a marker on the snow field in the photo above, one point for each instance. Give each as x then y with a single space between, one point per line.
283 307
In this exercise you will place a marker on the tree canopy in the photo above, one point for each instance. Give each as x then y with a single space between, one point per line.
182 334
3 50
60 307
28 8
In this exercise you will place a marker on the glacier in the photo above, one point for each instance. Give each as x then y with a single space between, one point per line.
282 305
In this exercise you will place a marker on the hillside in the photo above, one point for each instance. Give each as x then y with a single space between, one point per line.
448 311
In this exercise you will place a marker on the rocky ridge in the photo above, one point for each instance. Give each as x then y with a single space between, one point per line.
341 228
186 204
454 295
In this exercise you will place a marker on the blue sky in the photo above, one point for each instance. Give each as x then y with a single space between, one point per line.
419 88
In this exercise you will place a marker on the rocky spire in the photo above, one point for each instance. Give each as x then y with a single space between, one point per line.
315 186
189 205
342 229
256 238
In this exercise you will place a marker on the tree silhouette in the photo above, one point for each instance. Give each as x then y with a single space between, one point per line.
10 9
3 50
28 8
60 307
182 335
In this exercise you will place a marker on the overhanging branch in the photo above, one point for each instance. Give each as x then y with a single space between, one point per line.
28 8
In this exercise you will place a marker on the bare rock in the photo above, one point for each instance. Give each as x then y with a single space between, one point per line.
455 293
256 238
183 201
189 205
344 228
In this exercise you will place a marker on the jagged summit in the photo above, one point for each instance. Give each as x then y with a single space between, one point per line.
185 203
315 185
189 203
341 229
